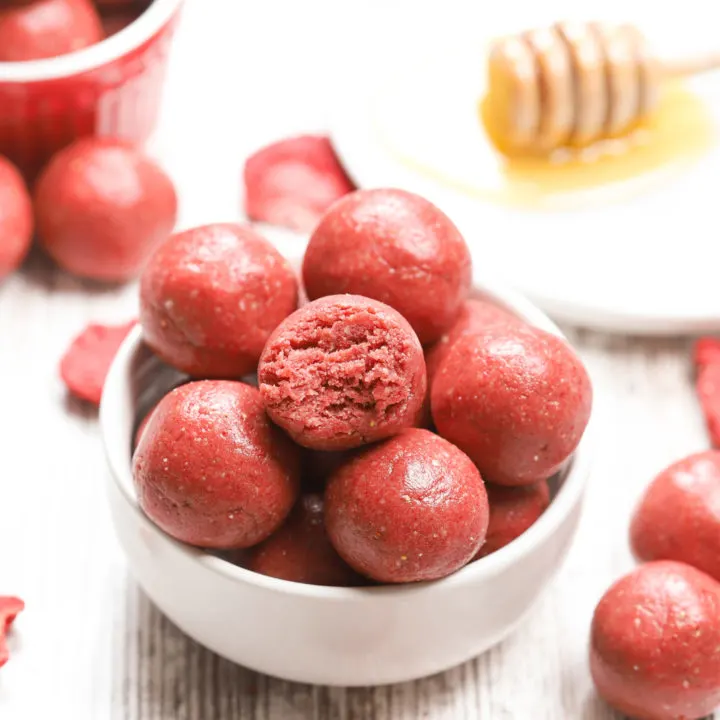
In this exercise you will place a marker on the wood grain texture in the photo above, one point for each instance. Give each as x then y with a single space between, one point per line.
90 646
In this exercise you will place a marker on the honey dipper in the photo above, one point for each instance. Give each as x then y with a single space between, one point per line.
572 84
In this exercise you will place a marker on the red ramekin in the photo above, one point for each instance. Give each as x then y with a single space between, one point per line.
109 89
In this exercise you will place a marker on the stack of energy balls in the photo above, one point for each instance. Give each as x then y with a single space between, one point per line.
399 429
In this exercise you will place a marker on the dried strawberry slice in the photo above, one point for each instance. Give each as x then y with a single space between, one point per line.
707 351
708 391
291 183
86 362
706 354
9 609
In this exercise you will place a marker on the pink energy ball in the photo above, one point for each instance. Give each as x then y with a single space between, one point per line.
47 29
300 551
516 399
411 508
475 316
341 372
102 207
513 510
16 218
211 296
395 247
654 645
211 470
678 517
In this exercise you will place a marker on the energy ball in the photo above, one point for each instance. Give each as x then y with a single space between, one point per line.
341 372
395 247
475 317
516 399
102 207
300 550
211 470
513 510
47 29
211 296
654 643
411 508
678 517
16 218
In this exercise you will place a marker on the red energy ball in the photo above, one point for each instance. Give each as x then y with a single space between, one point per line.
211 296
211 470
396 247
475 316
101 209
300 550
678 517
654 643
513 510
16 218
341 372
47 29
516 399
411 508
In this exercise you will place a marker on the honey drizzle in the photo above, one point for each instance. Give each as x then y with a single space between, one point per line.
679 132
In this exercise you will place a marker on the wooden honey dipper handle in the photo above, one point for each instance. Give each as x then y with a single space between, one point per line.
694 65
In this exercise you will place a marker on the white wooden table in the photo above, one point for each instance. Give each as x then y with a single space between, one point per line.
90 646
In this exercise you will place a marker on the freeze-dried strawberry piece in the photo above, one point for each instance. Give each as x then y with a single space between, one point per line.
292 182
708 391
706 355
9 609
86 362
707 351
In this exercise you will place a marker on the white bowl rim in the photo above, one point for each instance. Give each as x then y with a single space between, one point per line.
567 497
95 56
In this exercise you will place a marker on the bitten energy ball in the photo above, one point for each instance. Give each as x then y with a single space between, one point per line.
16 218
47 29
395 247
678 518
475 317
654 643
102 208
211 470
513 510
300 550
516 399
410 508
211 296
341 372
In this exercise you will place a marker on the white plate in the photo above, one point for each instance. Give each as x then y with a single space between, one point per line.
639 256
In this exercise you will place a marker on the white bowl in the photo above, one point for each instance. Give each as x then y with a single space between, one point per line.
329 636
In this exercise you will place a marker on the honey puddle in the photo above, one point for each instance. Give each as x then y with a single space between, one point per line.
680 131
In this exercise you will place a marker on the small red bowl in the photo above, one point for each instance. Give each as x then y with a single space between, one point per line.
109 89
